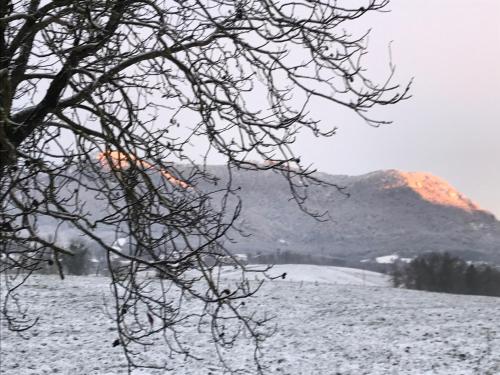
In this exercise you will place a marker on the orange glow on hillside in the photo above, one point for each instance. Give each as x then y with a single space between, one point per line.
120 160
433 189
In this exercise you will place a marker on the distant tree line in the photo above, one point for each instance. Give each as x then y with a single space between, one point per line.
442 272
83 261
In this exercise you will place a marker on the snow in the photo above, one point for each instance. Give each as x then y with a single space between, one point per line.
120 243
331 320
320 274
390 259
387 259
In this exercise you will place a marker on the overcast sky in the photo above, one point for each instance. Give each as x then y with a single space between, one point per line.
451 126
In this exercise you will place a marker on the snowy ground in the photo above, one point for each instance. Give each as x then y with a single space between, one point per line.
331 321
321 274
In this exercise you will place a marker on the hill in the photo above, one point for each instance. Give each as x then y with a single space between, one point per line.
380 213
386 212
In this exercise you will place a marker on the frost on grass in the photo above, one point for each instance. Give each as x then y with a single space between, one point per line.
325 327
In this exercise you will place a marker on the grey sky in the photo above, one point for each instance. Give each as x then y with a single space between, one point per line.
451 126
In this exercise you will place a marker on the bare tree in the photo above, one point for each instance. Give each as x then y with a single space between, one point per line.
123 101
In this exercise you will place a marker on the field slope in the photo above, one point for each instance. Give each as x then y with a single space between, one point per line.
331 321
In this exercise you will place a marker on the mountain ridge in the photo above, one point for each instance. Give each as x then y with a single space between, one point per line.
431 188
385 212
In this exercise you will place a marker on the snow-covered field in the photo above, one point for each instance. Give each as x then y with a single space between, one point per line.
320 274
331 321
